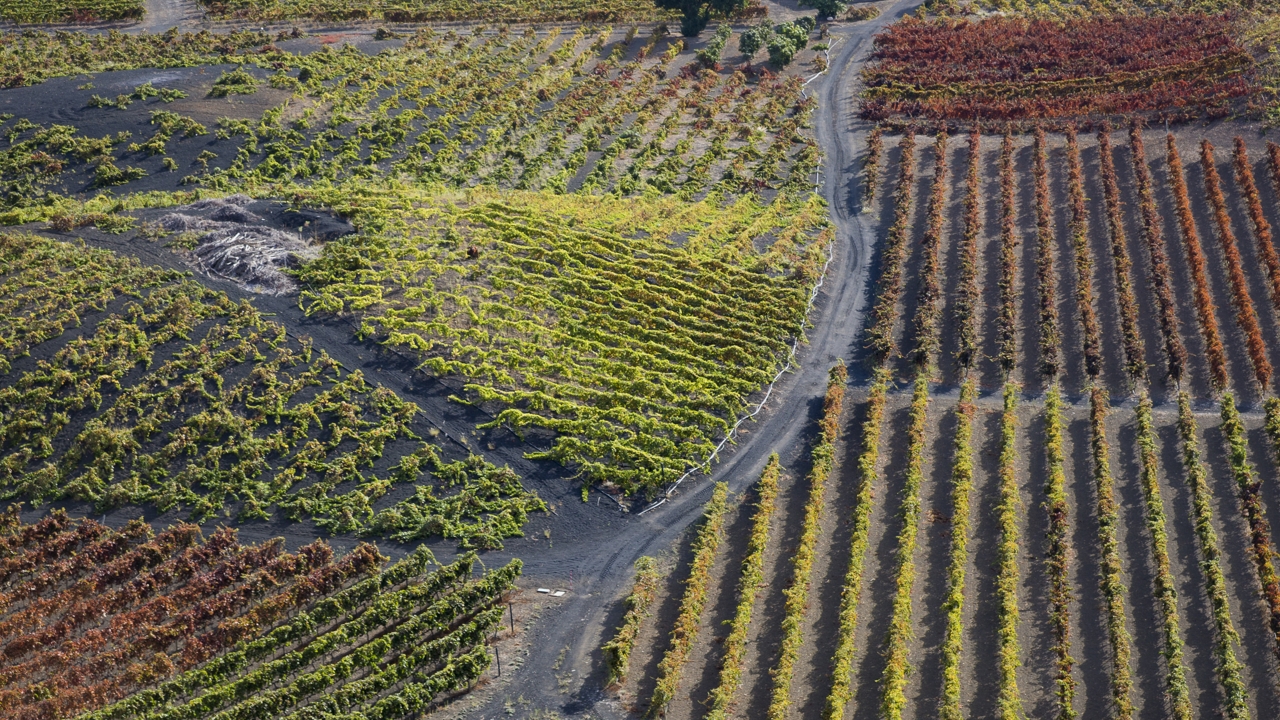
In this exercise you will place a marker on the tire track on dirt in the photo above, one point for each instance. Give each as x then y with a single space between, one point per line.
161 15
600 563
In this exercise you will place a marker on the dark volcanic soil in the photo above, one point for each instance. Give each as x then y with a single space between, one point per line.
585 548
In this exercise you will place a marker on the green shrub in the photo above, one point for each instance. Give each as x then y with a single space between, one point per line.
617 652
234 82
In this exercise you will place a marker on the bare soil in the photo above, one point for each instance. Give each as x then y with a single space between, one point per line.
588 548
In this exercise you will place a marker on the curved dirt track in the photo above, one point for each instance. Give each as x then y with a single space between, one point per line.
562 672
596 560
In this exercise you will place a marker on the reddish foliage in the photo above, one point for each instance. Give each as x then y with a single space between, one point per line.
931 283
107 611
1273 162
1007 321
885 313
1195 258
1046 287
1092 340
1134 364
1004 68
967 299
1261 228
871 165
1175 352
1246 317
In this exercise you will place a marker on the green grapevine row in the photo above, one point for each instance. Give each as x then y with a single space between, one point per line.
749 584
159 423
635 352
685 632
797 593
617 651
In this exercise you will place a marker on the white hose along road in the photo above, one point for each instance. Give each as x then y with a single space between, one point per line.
565 641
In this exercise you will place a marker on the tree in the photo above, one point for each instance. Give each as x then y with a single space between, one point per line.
782 50
755 38
826 8
697 13
788 39
710 55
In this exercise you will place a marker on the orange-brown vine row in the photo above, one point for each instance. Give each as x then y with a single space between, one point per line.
1175 352
1246 317
966 316
1092 340
926 331
1006 323
885 313
1205 310
1050 338
1261 228
1134 363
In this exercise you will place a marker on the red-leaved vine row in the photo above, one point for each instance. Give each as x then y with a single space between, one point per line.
1273 164
871 166
1246 317
1006 324
1006 68
926 330
1175 353
1050 337
1261 228
885 313
1205 309
966 307
1079 226
1134 363
113 610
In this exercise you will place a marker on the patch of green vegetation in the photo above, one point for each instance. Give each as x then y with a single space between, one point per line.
31 57
141 410
234 82
633 329
438 10
60 11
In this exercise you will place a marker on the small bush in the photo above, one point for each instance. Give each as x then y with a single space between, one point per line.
865 12
235 82
710 55
108 174
754 39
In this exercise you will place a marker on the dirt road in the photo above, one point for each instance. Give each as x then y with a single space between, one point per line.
562 673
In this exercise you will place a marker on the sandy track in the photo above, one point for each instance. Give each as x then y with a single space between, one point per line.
601 564
162 15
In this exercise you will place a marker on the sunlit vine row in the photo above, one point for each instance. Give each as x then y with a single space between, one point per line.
637 353
156 422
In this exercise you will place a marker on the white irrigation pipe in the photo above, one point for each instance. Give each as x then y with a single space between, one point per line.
816 173
830 45
791 356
